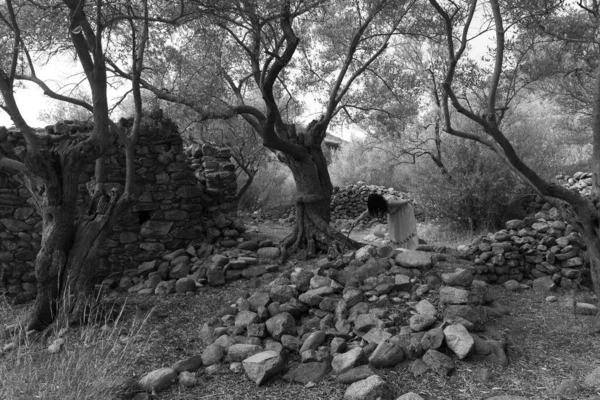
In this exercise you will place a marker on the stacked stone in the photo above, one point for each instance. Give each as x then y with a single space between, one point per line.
350 201
343 319
20 225
174 208
538 246
580 181
185 271
216 172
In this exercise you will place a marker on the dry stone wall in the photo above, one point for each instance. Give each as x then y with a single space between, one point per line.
539 246
350 201
181 194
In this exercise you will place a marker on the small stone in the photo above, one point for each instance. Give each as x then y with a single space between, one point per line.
282 323
585 309
420 322
426 308
313 341
551 299
190 364
188 379
512 285
239 352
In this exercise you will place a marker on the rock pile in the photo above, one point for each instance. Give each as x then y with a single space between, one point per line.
580 181
184 271
535 247
350 201
348 317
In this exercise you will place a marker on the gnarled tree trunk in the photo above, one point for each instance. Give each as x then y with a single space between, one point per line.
312 232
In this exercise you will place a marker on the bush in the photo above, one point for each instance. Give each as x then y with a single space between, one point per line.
356 162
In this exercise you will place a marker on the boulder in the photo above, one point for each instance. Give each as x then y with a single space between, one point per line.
213 354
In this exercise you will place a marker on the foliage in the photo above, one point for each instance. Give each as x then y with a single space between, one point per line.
273 186
356 161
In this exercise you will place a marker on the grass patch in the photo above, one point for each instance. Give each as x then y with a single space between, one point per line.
447 234
94 363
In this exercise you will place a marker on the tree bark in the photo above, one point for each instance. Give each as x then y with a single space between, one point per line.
312 232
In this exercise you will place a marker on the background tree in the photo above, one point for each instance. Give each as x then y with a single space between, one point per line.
50 168
260 42
456 21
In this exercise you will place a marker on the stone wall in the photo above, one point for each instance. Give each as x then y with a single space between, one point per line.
181 191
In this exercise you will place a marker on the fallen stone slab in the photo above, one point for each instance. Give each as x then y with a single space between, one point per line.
460 277
262 366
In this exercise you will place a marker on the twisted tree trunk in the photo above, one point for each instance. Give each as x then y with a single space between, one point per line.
312 232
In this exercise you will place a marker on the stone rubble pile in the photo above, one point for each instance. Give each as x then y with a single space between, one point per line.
236 255
350 317
580 181
535 247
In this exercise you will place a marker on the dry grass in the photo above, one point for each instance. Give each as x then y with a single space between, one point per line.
94 363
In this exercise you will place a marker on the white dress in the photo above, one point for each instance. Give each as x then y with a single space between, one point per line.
402 225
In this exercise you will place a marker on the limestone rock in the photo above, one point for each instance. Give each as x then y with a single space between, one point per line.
190 364
313 341
425 307
157 380
240 351
371 388
263 366
454 295
355 374
350 359
282 323
386 355
458 340
184 285
420 322
460 277
438 362
268 253
414 259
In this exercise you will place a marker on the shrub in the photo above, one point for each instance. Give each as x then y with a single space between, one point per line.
273 187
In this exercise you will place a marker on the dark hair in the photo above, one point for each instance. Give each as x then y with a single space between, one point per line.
377 205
